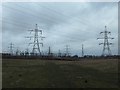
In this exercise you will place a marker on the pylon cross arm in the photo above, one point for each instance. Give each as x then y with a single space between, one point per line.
110 43
101 43
100 38
101 32
29 37
40 31
110 38
31 30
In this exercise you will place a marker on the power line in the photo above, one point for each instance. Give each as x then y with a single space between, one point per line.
15 21
57 14
51 17
83 21
17 25
30 13
47 17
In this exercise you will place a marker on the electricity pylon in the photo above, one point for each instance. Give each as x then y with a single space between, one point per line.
67 50
106 44
82 50
17 52
59 53
27 52
11 48
36 46
49 51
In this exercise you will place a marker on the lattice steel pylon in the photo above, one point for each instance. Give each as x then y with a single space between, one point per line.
59 53
82 50
36 46
106 44
67 50
11 48
49 51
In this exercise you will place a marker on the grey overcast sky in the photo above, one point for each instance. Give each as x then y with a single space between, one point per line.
63 23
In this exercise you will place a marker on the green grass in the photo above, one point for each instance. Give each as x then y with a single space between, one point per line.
59 74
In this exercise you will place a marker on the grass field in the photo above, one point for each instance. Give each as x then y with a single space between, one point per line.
60 74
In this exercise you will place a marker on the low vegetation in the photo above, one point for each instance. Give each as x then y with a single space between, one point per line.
60 74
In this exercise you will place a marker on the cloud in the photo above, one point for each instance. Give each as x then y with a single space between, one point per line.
62 23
